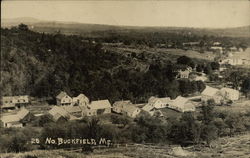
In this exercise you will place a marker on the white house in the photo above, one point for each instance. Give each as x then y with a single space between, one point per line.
17 120
13 102
98 107
230 94
183 74
155 104
151 110
181 104
131 111
211 93
118 105
126 108
63 99
60 114
158 103
80 100
217 49
75 110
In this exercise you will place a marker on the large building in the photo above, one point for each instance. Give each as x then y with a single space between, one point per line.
126 108
97 108
181 104
20 119
210 93
230 94
14 102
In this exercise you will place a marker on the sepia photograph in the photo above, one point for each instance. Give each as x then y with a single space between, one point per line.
125 79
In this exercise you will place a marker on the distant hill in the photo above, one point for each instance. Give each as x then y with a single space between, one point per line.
82 28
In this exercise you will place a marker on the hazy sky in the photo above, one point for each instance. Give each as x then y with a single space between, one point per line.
195 13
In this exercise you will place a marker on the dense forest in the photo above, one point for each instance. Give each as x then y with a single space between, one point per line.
42 65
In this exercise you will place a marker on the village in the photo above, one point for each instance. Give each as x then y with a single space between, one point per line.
15 109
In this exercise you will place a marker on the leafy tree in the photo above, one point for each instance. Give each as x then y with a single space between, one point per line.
186 61
45 119
208 69
120 120
215 65
23 27
246 87
209 133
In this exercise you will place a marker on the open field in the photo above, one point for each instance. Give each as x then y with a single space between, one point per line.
227 147
164 53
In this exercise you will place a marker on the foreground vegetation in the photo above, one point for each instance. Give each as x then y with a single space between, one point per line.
189 129
229 147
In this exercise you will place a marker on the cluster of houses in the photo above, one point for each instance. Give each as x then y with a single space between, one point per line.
14 102
73 108
188 73
219 96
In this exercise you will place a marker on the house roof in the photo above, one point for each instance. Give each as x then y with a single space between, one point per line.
209 91
148 107
100 104
22 113
130 108
58 110
122 103
10 118
179 101
165 100
61 95
152 99
15 98
73 109
182 103
16 117
230 90
79 97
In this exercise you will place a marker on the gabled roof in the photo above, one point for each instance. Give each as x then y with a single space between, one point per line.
152 99
61 95
73 109
179 101
165 100
122 103
230 90
81 96
209 91
22 113
182 103
130 108
56 110
100 104
10 118
16 117
148 107
15 98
